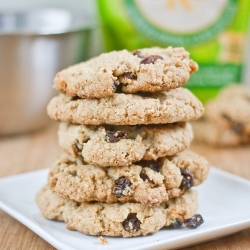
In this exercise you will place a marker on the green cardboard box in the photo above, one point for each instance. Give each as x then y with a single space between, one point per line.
213 31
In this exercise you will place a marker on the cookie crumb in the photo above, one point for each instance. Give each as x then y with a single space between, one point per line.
103 240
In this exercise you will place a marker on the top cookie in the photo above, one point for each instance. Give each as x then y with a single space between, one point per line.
144 70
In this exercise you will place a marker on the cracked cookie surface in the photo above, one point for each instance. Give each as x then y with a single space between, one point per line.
122 145
146 182
127 220
176 105
144 70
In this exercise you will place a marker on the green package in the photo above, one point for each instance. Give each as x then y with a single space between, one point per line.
213 31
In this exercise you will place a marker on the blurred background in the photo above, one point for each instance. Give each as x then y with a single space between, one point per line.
213 31
38 38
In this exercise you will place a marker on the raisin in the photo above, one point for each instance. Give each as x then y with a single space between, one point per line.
236 127
177 223
129 75
119 88
131 223
154 165
150 59
76 150
115 136
188 180
145 177
193 222
121 187
75 98
138 53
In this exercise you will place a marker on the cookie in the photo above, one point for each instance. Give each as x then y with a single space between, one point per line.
231 109
177 105
144 70
122 145
127 220
232 90
217 136
146 182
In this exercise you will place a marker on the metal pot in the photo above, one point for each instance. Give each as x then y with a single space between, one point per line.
34 46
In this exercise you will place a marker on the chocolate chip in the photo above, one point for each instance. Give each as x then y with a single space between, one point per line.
193 222
129 75
188 180
138 53
122 186
145 177
154 165
76 150
131 224
150 59
177 223
115 136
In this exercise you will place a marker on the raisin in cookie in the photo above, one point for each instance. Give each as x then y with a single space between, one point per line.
145 70
177 105
146 182
127 220
231 109
122 145
217 136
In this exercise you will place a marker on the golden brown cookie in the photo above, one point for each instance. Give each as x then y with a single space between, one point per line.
122 145
177 105
127 220
146 182
144 70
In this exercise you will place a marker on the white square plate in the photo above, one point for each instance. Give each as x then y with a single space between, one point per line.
224 205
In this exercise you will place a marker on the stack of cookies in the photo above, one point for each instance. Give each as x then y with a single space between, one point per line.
227 117
124 127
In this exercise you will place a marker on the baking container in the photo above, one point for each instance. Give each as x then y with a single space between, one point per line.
34 46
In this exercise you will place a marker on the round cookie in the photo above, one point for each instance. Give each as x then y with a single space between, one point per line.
231 109
217 136
122 145
144 70
127 220
146 182
177 105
